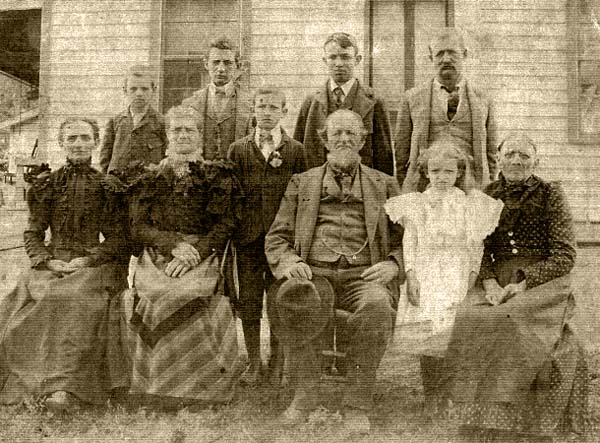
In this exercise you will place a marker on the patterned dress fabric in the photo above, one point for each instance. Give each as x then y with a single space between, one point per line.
518 366
183 339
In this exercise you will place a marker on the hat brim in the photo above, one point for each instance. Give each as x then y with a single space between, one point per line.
298 325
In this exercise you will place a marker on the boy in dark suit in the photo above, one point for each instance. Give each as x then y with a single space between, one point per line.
264 162
138 132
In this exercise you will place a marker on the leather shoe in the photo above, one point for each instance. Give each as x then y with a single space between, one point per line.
62 401
356 421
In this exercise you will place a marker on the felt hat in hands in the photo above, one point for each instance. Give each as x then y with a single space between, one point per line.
299 310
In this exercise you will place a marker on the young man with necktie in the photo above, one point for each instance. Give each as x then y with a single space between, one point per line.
343 91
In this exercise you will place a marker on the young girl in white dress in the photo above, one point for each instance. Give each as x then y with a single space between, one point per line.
443 243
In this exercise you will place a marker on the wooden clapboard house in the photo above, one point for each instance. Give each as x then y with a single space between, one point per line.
540 59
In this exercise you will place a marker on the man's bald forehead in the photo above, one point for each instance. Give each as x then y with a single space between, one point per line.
344 115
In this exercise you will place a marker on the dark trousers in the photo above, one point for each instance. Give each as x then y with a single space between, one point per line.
369 328
255 278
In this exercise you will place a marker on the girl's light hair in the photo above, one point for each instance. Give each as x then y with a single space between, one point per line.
446 150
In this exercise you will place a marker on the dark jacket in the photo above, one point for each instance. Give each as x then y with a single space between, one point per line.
205 204
535 223
76 205
377 151
123 143
262 183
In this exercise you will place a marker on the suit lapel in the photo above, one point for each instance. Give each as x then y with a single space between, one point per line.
422 109
373 197
243 111
478 128
309 197
361 104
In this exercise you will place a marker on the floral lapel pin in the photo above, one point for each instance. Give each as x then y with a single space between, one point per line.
275 159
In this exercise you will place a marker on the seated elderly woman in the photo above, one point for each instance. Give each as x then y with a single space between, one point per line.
514 364
54 322
184 345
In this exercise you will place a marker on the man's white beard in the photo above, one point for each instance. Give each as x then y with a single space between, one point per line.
344 159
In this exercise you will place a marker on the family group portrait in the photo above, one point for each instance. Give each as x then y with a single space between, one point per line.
299 221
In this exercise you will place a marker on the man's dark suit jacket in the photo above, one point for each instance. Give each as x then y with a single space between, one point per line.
123 143
377 151
263 184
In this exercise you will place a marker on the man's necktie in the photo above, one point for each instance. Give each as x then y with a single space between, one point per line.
266 142
339 96
220 101
453 100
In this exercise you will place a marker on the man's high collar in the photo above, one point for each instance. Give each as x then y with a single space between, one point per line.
346 87
275 133
229 89
460 84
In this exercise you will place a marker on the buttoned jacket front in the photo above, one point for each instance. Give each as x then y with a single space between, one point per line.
377 151
290 238
412 131
124 143
243 114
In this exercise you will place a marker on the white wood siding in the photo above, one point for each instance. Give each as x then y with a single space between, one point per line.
287 44
91 44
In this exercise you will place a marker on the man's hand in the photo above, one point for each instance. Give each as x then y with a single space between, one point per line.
513 289
382 272
60 266
176 268
299 270
80 262
494 293
187 254
413 288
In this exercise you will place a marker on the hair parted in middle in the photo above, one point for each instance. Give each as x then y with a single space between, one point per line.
444 149
90 121
181 111
142 71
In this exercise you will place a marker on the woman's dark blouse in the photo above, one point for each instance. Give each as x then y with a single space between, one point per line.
76 205
535 222
205 203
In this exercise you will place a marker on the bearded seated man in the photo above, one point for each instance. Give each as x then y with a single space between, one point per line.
331 235
513 362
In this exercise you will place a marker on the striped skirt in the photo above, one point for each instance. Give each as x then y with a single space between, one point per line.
182 334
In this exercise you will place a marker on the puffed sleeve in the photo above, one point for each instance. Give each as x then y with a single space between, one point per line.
39 202
142 228
225 209
404 207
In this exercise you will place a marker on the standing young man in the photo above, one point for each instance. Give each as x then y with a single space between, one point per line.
138 132
343 91
264 163
225 111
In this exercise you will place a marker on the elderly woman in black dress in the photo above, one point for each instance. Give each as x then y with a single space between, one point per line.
54 323
513 362
184 340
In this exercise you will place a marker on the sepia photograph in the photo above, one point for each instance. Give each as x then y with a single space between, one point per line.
300 221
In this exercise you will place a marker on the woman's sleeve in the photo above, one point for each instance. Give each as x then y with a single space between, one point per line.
39 202
402 208
410 244
225 209
142 228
